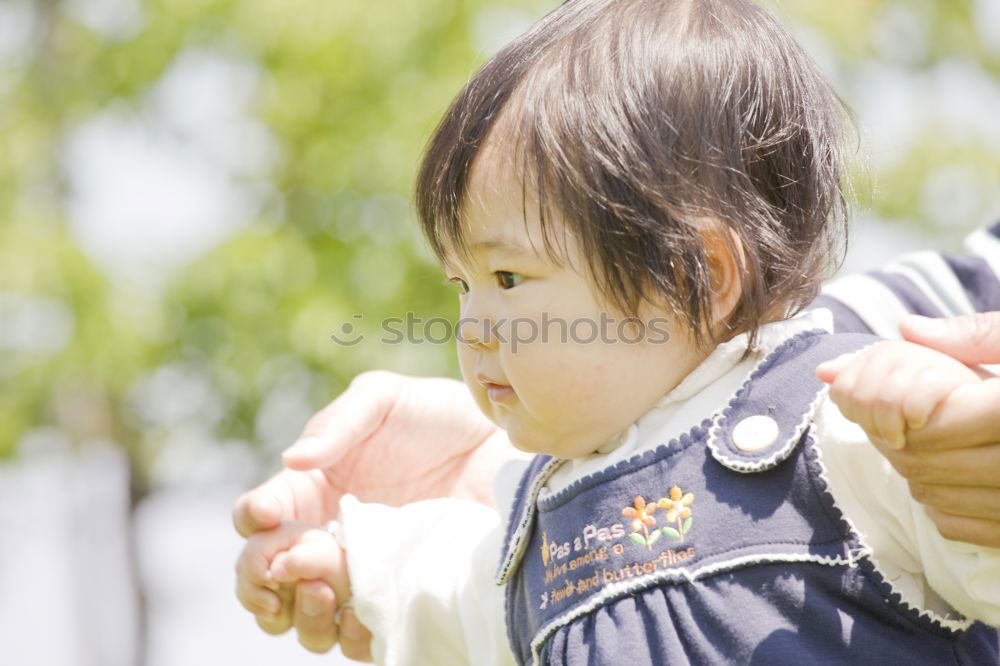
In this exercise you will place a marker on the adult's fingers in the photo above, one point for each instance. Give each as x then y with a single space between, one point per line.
256 510
282 621
346 422
313 618
962 528
355 639
975 466
267 505
969 417
967 501
257 600
288 495
253 564
974 339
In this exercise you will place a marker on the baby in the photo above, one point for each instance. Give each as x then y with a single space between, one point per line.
634 199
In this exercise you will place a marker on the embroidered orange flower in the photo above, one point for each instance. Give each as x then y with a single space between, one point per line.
641 514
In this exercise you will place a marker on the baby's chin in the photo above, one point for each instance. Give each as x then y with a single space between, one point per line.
531 442
524 439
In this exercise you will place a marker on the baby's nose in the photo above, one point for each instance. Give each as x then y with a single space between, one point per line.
477 333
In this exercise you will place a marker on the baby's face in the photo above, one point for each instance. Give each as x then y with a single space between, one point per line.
543 356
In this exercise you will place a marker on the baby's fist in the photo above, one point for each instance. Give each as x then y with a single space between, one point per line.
893 386
316 555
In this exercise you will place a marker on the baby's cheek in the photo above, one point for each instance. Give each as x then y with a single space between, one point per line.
568 389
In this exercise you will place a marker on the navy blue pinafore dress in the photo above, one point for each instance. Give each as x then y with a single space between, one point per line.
722 546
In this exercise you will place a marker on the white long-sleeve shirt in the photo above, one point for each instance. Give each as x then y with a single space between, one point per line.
422 575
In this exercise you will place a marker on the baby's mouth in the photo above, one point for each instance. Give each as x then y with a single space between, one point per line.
496 391
499 392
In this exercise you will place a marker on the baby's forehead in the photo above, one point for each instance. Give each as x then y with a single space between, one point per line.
498 166
497 231
505 222
500 206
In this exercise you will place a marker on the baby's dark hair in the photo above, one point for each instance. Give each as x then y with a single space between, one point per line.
641 123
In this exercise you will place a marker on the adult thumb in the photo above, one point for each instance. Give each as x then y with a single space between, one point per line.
343 425
258 509
972 339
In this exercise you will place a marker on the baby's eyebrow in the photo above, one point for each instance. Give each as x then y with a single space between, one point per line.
502 245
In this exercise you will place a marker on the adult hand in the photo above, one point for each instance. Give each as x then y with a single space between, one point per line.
390 439
952 463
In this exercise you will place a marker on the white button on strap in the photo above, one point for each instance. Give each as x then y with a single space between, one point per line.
755 433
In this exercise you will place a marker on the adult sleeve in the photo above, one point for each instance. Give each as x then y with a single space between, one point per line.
925 283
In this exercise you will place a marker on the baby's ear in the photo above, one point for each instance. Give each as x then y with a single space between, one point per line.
726 262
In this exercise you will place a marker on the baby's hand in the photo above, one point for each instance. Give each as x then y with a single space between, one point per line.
273 561
893 386
315 555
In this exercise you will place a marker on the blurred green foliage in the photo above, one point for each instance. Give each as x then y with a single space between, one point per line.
349 90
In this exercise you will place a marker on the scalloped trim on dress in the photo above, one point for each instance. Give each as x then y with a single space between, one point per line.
517 542
635 463
899 602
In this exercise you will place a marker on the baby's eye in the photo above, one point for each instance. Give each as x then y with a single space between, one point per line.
463 286
508 280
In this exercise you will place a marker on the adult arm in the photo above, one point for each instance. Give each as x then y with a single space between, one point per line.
926 283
